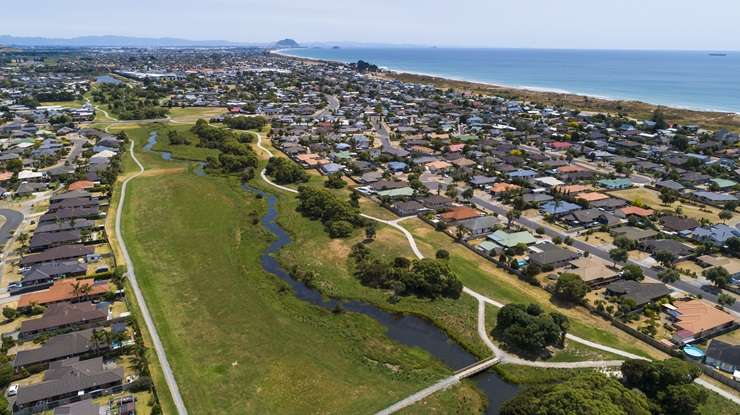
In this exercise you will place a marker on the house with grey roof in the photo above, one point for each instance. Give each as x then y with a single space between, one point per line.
66 379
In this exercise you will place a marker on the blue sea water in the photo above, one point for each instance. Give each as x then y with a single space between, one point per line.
685 79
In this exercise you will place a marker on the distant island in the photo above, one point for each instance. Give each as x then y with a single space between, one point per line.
286 44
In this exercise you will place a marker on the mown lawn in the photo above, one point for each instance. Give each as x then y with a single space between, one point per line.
238 341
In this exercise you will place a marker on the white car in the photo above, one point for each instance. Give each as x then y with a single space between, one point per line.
13 390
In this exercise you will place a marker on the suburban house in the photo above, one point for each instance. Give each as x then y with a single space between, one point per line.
716 235
65 290
592 271
67 379
551 255
63 317
672 246
723 356
510 240
639 292
478 226
58 347
459 213
696 320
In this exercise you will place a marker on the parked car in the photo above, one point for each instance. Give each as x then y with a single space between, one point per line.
13 390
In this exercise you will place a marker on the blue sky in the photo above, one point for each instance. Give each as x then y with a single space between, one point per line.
611 24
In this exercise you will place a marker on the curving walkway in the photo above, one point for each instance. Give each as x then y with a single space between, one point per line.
158 347
500 354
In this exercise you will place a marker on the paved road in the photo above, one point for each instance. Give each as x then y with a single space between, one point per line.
383 131
13 219
331 107
158 347
602 253
75 152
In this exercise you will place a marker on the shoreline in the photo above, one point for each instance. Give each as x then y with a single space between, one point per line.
550 96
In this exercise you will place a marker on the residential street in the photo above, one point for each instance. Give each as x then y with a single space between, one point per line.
650 274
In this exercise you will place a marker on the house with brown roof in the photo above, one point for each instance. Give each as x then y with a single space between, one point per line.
460 213
591 196
502 187
696 320
628 211
65 290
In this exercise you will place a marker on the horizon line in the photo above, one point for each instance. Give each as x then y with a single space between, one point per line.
358 44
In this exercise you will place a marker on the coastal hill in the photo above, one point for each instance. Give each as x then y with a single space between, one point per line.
287 43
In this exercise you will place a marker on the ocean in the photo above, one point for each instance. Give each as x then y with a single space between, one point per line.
690 79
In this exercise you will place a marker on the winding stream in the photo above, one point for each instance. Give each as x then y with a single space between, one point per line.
409 330
151 142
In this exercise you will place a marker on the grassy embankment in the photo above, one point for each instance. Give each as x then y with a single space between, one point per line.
233 334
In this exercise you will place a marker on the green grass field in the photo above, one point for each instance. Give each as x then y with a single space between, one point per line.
183 152
238 342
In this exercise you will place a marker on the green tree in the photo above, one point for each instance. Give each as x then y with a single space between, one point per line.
570 288
632 272
718 276
335 181
669 275
370 231
511 216
725 299
468 193
442 254
9 312
587 394
725 215
618 255
665 258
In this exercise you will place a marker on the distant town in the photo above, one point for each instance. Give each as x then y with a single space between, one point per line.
591 247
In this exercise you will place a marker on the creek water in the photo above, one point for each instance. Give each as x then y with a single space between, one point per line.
151 142
408 330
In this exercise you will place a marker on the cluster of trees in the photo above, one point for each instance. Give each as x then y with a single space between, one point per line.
215 137
235 155
425 278
659 388
363 66
338 216
668 384
284 171
530 328
245 123
176 138
56 96
592 393
129 103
